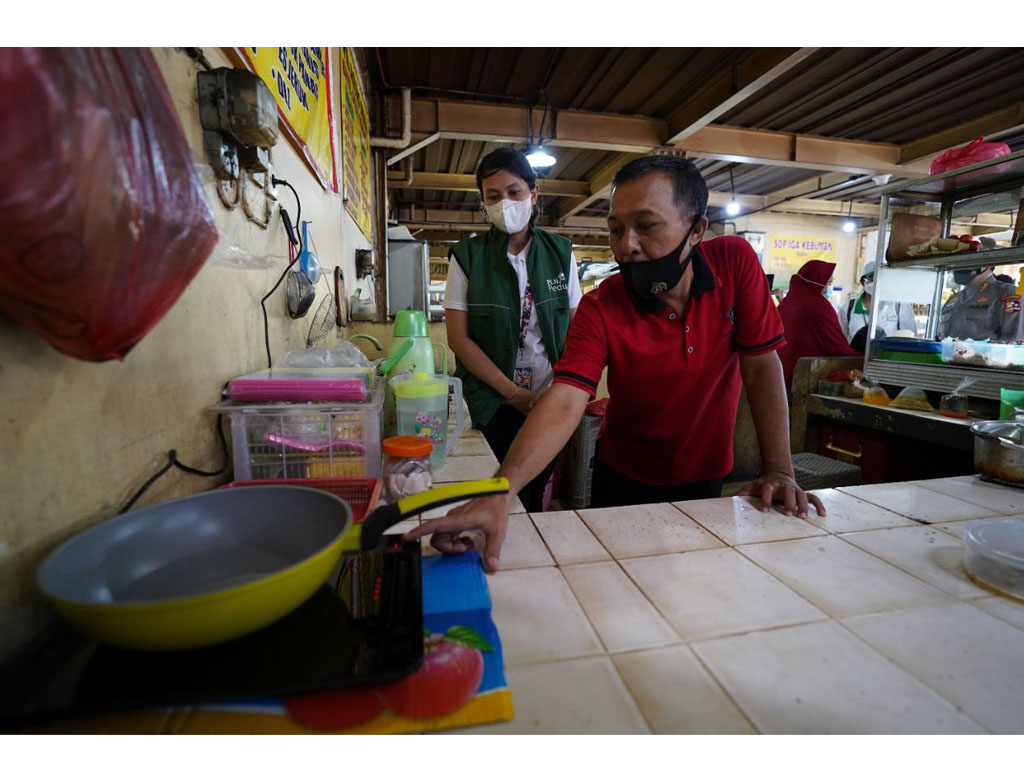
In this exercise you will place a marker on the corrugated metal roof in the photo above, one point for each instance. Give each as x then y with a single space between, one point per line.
889 94
893 95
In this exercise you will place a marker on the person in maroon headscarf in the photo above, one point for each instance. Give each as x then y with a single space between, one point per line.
812 326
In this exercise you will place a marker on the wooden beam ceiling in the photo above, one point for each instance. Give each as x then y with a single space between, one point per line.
466 182
731 87
600 186
687 130
639 135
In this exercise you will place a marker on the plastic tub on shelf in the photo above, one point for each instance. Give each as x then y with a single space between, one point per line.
281 441
907 350
977 353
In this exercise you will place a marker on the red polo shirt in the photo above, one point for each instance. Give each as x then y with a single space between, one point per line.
673 382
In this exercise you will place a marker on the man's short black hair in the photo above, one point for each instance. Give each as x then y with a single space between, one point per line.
505 159
691 191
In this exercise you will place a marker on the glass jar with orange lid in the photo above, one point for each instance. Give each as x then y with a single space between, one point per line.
406 467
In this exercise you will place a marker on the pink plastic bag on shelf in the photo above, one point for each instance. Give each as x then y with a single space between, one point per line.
103 221
976 152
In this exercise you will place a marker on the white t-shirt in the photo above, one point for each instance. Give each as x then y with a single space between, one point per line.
892 316
533 353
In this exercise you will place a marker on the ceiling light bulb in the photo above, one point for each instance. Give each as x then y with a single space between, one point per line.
732 208
849 225
538 157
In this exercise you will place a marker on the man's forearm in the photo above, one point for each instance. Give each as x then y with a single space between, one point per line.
547 429
766 394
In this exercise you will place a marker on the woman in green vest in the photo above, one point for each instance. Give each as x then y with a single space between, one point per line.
510 295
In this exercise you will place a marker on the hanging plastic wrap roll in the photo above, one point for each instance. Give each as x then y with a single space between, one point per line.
103 221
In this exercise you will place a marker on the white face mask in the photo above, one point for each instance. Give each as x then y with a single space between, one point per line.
869 287
510 216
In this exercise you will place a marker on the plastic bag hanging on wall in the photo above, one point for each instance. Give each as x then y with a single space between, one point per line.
103 221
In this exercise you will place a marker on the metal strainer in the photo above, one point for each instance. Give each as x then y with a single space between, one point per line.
300 293
323 320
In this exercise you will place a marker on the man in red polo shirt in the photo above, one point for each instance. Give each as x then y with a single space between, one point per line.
679 330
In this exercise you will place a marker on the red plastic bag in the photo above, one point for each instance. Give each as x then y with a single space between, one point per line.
976 152
103 221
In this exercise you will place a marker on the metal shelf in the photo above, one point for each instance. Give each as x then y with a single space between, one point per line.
986 258
962 182
944 378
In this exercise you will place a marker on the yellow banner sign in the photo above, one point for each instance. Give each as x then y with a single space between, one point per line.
300 79
787 254
357 175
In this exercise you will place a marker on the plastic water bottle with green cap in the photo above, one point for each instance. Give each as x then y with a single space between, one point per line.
421 404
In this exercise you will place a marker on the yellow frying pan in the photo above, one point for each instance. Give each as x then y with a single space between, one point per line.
210 567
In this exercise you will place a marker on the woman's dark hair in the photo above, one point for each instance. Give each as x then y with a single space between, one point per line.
505 159
691 191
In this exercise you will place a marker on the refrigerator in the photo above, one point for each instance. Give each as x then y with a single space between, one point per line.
408 275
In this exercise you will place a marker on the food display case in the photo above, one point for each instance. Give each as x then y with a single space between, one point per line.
939 229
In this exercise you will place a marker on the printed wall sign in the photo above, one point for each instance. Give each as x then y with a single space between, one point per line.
300 79
357 174
785 255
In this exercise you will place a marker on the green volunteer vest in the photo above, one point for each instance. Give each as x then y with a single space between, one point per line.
494 310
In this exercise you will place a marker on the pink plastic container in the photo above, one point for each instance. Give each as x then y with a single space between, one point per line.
298 386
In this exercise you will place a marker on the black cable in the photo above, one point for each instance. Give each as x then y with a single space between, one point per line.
298 234
263 306
172 461
197 55
298 207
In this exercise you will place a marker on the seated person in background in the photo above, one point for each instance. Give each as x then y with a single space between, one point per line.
810 323
892 315
977 311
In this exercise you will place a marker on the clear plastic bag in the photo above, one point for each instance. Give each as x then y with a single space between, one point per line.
103 221
344 355
912 398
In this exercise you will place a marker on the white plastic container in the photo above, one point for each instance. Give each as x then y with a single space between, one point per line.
977 353
994 554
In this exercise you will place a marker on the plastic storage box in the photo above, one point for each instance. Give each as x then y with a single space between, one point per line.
580 460
909 350
982 353
814 472
277 441
994 554
361 493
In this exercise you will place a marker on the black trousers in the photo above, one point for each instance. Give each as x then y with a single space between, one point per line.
609 488
499 433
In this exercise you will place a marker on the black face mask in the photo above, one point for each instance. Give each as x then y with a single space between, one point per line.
647 279
964 276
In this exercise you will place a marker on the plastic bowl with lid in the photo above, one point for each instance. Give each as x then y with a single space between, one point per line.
994 554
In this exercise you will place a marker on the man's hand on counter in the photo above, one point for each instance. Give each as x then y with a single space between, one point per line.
778 486
487 516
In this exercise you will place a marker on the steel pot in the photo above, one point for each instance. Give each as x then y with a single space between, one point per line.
999 451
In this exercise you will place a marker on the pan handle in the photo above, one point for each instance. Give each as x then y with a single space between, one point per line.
382 518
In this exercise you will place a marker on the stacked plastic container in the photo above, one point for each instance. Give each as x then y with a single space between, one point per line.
295 440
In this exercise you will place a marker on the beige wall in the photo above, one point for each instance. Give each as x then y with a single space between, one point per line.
81 438
825 227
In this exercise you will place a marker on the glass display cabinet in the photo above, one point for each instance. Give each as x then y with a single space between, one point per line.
964 294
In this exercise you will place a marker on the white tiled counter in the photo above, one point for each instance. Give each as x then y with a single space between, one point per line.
712 617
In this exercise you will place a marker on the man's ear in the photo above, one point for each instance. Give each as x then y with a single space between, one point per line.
699 229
